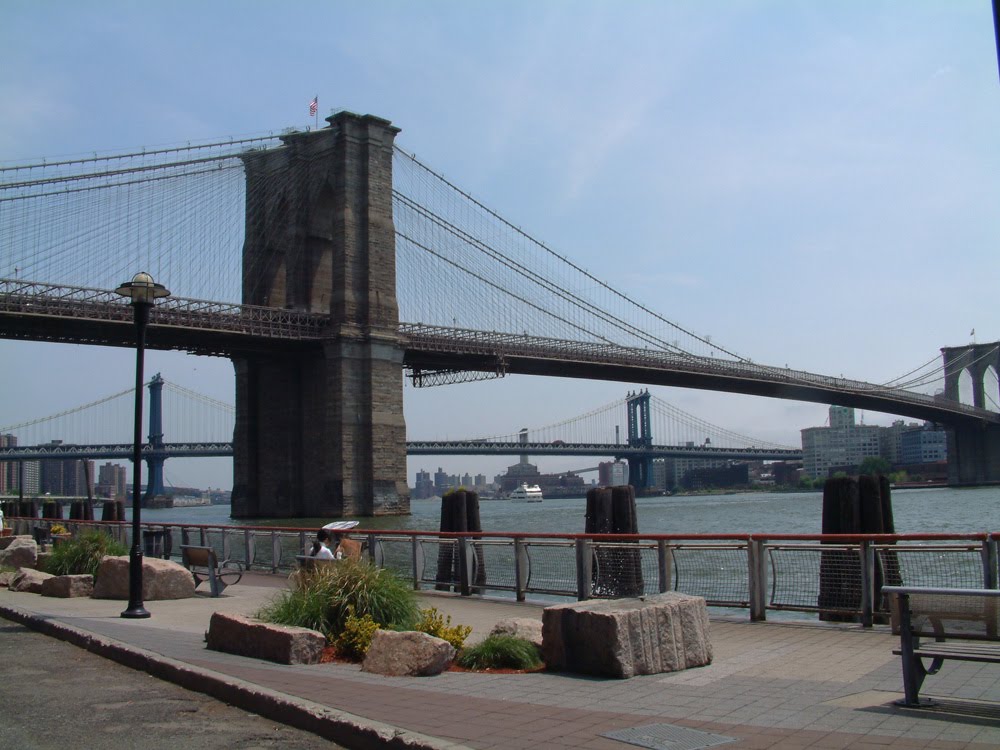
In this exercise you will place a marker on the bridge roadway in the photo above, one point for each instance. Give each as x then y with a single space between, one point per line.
414 448
47 312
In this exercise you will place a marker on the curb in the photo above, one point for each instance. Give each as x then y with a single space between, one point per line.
341 727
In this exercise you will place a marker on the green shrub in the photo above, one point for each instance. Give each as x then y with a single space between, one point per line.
323 598
432 623
501 652
82 554
356 637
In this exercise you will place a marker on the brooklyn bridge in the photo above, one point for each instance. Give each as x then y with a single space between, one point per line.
328 264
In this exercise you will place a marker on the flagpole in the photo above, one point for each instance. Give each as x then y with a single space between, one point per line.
317 112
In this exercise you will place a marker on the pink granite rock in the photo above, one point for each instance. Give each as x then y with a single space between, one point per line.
237 634
28 579
408 653
161 579
626 637
21 552
68 587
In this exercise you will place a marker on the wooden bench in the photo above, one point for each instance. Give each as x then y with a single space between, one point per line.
205 566
964 624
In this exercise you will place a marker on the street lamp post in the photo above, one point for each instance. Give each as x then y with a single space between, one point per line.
143 292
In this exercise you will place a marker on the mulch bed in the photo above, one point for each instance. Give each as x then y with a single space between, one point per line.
330 656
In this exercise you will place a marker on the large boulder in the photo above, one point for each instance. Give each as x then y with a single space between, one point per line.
21 552
237 634
161 579
520 627
67 587
407 654
627 637
29 579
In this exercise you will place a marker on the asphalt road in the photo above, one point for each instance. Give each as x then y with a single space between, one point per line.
54 695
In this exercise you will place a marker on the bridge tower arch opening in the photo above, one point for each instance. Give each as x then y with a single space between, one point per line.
966 388
320 429
973 449
991 389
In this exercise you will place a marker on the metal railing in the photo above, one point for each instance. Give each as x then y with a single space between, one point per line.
837 576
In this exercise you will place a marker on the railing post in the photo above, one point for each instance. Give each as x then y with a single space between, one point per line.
201 537
275 551
989 555
249 545
185 536
757 561
584 569
372 541
464 566
664 562
521 568
867 555
414 557
302 542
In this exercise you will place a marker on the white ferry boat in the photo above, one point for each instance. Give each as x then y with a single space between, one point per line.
527 494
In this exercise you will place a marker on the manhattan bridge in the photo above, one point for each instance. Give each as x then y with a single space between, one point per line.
326 264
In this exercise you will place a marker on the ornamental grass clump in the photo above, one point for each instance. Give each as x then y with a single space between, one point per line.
82 554
501 652
323 599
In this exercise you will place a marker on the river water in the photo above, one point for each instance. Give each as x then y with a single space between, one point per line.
921 510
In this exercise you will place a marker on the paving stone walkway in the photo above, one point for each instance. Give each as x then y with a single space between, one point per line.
771 685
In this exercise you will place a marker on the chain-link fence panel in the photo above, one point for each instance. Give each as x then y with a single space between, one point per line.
552 568
493 566
932 566
818 577
395 553
624 570
719 573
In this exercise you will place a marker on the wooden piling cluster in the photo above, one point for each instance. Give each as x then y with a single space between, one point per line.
459 513
113 510
617 572
853 505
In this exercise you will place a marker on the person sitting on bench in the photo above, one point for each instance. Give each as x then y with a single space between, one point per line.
321 547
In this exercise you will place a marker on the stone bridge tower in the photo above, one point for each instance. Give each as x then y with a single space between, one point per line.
973 450
320 432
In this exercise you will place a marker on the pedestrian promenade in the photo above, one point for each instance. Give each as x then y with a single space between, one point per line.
771 685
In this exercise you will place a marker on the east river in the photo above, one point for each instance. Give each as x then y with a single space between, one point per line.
921 510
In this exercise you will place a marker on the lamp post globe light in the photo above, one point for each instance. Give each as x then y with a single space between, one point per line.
143 292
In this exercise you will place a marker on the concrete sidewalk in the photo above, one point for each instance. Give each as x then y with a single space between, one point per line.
781 685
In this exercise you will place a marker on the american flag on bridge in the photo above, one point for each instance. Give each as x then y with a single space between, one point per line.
314 106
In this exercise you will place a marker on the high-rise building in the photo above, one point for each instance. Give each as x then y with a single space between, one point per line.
112 482
612 473
424 487
924 445
842 444
9 470
441 482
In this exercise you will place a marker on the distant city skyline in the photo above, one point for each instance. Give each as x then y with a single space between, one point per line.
811 184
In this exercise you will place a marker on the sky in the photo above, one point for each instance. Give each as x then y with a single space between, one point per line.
812 184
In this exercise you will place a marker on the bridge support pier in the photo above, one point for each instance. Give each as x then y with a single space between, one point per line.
320 432
974 455
154 461
973 449
640 435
